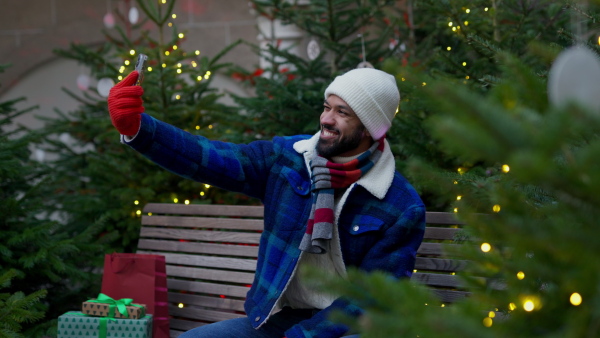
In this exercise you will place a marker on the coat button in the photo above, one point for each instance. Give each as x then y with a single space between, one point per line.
356 227
257 319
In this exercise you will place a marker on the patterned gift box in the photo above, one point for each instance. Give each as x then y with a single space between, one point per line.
75 324
135 311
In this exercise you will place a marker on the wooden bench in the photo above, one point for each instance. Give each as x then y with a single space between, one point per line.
211 255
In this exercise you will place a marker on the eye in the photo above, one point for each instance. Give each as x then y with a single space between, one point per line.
326 107
342 112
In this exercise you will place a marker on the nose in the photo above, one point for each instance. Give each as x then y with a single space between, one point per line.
327 117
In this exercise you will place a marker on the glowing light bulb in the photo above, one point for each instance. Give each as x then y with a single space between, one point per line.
126 62
139 212
170 24
149 214
467 11
199 78
149 69
179 71
464 64
455 209
528 305
486 247
179 65
505 168
576 299
132 52
449 48
177 97
167 53
175 200
466 23
512 306
450 24
486 9
467 77
197 52
197 127
520 275
496 208
458 198
174 16
207 186
202 193
210 126
187 202
181 35
136 202
488 322
164 65
492 314
180 305
174 47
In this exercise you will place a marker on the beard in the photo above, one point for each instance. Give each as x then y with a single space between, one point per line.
332 148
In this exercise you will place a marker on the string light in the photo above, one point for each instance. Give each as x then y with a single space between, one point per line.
424 84
512 306
179 71
455 182
177 97
467 77
149 69
485 9
181 35
120 77
149 214
199 78
486 247
520 275
164 1
467 11
487 322
496 208
454 29
449 48
197 127
461 170
132 52
575 299
207 186
126 62
528 305
464 64
194 64
170 24
458 198
175 47
403 79
599 39
466 23
175 200
136 202
455 209
179 65
210 126
187 202
164 65
174 16
197 52
167 53
505 168
450 24
202 193
139 212
180 305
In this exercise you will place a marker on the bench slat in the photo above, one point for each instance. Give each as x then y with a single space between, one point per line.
201 235
440 233
206 301
209 261
433 217
204 222
435 279
209 288
211 274
440 264
199 248
205 209
196 312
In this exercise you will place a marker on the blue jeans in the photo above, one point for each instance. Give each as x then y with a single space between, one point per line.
275 327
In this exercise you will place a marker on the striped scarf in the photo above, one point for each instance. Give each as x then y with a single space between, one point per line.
326 177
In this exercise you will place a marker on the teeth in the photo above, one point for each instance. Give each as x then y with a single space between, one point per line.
328 133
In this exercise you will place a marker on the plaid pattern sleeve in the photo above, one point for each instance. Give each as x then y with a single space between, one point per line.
394 253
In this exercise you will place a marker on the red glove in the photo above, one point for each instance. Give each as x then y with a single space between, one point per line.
125 105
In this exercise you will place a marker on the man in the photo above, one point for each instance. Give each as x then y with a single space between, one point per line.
332 200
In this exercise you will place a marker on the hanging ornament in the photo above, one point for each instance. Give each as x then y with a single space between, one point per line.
104 86
364 63
83 82
109 20
134 15
313 50
575 77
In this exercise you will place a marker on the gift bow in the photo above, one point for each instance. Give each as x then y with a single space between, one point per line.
119 304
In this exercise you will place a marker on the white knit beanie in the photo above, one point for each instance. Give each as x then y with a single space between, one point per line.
372 94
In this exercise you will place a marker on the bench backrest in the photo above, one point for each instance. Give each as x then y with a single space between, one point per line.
211 255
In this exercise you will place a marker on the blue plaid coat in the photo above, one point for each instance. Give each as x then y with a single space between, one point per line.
381 219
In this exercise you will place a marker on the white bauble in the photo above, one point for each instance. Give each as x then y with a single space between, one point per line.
134 15
104 86
109 20
575 77
83 82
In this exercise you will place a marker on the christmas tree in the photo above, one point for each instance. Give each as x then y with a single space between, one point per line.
40 257
528 198
101 178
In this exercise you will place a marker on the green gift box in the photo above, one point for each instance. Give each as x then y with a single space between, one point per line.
75 324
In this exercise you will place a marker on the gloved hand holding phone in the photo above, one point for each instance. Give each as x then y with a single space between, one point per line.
125 104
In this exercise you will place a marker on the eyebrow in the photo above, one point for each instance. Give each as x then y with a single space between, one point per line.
340 106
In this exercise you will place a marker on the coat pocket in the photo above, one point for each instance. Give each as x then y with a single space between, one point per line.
363 224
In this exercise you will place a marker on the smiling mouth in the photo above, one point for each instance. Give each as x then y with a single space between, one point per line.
328 133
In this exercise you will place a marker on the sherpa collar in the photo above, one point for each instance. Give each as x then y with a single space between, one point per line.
377 181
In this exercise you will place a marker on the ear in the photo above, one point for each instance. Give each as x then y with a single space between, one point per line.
366 133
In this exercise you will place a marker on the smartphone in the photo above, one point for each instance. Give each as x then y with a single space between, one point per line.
139 66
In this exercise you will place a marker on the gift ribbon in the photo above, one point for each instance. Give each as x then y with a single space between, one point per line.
103 328
119 304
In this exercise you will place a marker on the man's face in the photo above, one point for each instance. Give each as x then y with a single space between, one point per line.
342 133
